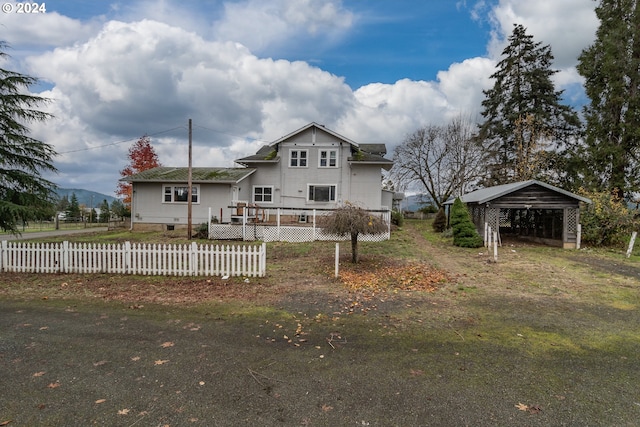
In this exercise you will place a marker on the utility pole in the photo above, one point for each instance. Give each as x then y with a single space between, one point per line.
189 202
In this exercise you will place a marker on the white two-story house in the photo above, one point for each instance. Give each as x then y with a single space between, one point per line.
312 167
316 167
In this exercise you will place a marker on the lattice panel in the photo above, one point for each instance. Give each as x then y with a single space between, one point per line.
285 233
225 232
295 226
504 220
492 218
572 221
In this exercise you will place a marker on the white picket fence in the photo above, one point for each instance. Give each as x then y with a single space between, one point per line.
134 258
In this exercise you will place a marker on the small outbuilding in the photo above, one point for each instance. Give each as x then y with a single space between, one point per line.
531 209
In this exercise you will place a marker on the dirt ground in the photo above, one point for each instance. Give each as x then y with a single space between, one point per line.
448 338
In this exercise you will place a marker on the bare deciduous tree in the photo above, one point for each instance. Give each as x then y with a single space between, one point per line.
444 160
351 220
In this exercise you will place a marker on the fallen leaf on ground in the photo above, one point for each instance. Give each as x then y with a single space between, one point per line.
4 423
160 362
123 411
39 374
522 407
135 358
167 344
100 401
54 385
416 372
100 363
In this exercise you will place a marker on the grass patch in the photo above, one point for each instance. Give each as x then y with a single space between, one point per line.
541 328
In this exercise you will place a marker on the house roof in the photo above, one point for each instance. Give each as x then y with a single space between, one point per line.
316 125
364 158
266 154
371 154
198 175
485 195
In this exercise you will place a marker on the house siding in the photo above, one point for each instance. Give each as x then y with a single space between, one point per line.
149 206
356 181
291 184
362 178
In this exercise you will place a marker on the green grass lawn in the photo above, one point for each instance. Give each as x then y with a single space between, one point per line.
543 337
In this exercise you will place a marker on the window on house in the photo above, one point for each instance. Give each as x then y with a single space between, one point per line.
328 158
179 194
263 194
322 193
298 159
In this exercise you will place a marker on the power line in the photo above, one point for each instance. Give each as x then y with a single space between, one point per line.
121 142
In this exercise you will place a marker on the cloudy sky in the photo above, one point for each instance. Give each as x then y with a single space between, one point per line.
250 71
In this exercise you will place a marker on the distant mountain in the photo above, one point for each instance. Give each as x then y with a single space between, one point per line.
85 197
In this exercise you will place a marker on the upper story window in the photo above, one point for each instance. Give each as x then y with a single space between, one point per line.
263 194
298 158
180 193
328 159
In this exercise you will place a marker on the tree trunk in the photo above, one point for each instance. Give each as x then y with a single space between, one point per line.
354 248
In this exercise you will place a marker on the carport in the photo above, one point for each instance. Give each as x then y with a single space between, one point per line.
531 210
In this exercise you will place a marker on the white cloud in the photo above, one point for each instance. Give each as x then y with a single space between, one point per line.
263 26
43 29
145 77
565 25
126 78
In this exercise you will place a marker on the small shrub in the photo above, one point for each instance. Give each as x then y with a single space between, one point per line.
202 232
397 218
607 221
440 221
464 231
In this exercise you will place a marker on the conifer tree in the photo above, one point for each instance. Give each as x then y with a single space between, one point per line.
611 68
105 212
464 231
24 193
525 125
73 210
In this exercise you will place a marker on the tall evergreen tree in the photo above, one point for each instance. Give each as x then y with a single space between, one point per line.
73 211
24 193
525 125
105 212
611 68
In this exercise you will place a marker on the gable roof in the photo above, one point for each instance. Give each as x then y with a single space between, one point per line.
364 154
317 126
485 195
198 175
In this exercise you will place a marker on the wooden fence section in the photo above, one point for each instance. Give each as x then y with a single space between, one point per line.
134 258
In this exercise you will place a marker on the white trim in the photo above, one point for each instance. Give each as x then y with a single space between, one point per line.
195 191
335 193
306 158
253 194
328 158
